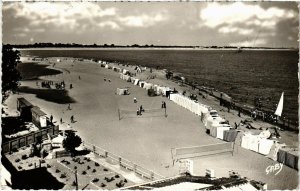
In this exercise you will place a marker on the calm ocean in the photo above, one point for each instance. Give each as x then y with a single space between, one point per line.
244 76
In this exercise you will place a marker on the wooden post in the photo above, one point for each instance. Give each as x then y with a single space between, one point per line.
119 114
165 112
120 161
152 175
76 181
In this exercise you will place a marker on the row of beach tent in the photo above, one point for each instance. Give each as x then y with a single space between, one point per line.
217 126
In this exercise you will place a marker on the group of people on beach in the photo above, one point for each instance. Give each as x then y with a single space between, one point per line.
107 79
48 84
45 84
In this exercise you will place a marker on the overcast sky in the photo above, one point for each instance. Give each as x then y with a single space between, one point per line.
272 24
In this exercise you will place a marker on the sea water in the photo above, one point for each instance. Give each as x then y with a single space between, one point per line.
244 76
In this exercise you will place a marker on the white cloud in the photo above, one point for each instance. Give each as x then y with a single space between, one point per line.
20 35
60 14
26 29
142 20
111 24
237 30
258 42
216 14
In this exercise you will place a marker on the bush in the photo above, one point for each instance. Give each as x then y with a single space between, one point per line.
109 179
75 167
63 175
105 169
97 164
57 171
30 164
14 150
94 170
125 180
71 142
48 166
103 185
117 176
95 180
120 184
20 168
83 172
88 167
17 160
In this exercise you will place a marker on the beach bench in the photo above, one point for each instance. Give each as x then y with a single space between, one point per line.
199 151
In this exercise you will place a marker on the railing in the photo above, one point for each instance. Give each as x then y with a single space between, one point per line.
29 139
124 163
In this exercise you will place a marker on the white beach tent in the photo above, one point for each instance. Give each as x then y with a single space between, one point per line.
122 91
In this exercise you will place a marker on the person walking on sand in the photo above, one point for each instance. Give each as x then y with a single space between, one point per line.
61 121
134 100
72 119
141 109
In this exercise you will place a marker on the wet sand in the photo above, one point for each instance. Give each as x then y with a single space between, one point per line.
147 140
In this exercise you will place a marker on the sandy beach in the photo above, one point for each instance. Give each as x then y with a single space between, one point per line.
147 140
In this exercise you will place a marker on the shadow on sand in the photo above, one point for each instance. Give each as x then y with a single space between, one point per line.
52 95
31 71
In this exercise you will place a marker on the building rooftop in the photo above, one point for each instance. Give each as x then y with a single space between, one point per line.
24 102
38 111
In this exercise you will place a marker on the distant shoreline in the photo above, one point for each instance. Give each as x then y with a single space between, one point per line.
155 48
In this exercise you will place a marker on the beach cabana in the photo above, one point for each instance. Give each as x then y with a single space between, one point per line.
125 71
136 81
141 83
24 107
138 69
39 118
148 86
122 91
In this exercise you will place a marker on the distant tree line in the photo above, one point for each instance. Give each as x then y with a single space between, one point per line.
75 45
